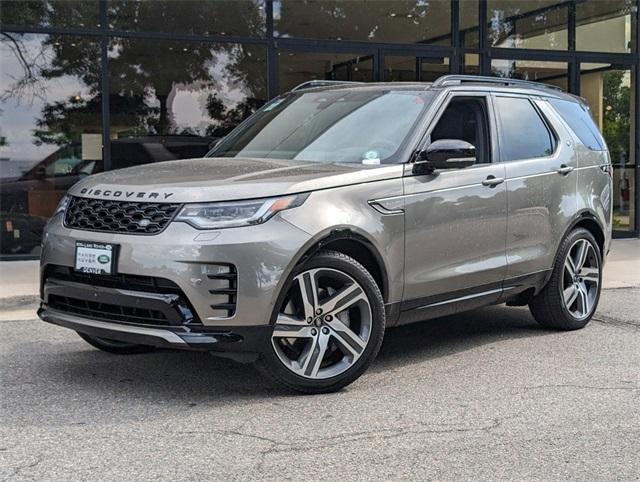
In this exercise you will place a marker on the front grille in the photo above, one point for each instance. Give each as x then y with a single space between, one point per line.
182 313
106 311
129 282
119 216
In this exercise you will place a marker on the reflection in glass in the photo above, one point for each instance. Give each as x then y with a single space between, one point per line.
471 64
606 26
50 135
221 17
172 100
401 21
518 116
528 24
469 22
401 69
554 73
410 69
298 67
610 93
433 67
50 13
343 126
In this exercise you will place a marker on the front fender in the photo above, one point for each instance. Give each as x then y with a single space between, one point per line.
336 212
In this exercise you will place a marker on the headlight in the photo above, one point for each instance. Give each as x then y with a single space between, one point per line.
231 214
62 205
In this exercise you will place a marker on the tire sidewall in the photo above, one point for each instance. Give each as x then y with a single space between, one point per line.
338 261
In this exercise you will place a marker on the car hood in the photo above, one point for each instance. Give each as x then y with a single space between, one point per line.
220 179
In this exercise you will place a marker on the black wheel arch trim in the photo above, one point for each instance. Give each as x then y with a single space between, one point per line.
349 234
582 215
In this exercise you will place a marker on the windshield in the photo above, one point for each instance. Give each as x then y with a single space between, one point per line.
364 127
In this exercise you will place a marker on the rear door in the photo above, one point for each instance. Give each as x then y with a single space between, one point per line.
539 162
456 218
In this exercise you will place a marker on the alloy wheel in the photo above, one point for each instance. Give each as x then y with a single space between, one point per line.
581 279
324 324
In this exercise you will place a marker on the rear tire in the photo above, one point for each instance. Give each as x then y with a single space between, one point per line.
114 346
571 296
328 325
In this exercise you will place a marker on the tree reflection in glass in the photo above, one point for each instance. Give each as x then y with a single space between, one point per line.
398 21
51 129
166 88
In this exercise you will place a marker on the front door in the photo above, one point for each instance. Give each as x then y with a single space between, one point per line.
456 219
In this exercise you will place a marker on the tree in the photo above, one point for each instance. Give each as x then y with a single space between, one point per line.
390 20
150 68
616 124
144 75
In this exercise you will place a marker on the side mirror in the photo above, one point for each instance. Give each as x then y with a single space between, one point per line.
445 154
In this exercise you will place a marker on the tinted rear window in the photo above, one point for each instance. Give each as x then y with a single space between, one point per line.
580 121
523 133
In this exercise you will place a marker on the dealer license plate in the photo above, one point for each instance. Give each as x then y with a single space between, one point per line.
96 258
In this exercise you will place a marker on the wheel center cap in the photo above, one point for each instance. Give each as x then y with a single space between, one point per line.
318 321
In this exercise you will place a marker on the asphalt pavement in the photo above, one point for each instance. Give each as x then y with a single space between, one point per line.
482 395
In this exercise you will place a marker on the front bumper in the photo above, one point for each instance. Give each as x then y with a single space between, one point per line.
262 257
143 317
250 339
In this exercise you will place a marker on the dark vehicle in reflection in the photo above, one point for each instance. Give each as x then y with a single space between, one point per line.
27 201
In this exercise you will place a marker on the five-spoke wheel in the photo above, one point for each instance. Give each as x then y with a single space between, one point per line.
325 325
581 278
328 327
571 295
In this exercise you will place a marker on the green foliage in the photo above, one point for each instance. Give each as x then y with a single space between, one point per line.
616 123
144 74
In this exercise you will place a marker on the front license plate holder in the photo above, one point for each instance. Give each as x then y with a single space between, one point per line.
96 258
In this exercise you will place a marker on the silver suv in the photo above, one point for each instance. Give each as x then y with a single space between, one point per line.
336 211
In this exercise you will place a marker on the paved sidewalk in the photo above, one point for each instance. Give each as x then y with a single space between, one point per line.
622 269
19 279
18 283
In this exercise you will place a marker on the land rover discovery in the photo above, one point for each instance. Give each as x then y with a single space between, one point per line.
334 212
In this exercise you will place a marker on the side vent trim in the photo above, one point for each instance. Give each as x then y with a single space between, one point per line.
224 290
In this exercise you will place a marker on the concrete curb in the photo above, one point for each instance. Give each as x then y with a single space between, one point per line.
21 301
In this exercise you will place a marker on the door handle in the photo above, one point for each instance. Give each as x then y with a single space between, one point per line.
492 181
564 169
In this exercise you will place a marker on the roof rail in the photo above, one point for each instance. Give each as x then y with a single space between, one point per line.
310 84
461 79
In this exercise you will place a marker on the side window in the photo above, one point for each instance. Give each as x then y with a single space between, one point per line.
523 133
465 118
579 120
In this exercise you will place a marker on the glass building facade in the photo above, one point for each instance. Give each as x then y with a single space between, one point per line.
93 85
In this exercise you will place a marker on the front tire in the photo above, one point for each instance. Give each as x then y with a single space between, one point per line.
114 346
328 325
571 296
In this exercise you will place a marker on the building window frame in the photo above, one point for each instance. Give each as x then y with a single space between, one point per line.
455 52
